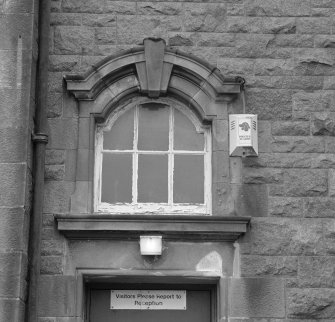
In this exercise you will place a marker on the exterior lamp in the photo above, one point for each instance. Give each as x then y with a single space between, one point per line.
151 245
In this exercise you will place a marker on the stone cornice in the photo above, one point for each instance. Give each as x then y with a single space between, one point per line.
171 227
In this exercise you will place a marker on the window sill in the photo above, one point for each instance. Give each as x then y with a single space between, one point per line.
171 227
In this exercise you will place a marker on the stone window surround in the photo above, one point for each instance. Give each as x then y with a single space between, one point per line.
152 70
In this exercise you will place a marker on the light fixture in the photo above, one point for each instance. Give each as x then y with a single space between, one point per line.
151 245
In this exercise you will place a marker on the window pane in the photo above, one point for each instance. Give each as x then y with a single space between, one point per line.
116 176
153 128
188 179
121 135
152 178
185 135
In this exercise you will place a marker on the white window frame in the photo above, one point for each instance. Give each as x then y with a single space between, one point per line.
154 208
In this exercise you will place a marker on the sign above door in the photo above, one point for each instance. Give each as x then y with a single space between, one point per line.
148 300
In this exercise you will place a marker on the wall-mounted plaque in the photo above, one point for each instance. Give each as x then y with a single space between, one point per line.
148 300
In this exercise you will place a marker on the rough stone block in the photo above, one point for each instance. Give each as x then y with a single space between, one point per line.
316 57
286 207
323 124
329 233
54 157
316 271
251 200
61 63
320 207
99 20
180 39
256 297
277 8
288 82
159 8
11 310
214 40
264 137
235 9
90 6
63 133
331 182
55 80
296 128
280 160
46 319
57 296
292 40
235 66
207 17
302 183
272 25
313 25
285 237
248 45
233 25
269 265
133 34
322 4
55 105
52 247
65 19
325 41
54 172
274 67
316 101
269 104
122 7
73 40
311 303
12 178
262 175
12 229
105 36
51 265
300 144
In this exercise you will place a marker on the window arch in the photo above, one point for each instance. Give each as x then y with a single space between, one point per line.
153 157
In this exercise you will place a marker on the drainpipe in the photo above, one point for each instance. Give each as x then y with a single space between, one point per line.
40 139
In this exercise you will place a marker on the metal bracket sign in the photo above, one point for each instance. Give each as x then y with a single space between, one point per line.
148 300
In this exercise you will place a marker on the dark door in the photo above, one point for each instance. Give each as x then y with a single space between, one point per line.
198 309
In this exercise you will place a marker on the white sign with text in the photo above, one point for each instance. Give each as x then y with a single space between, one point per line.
148 300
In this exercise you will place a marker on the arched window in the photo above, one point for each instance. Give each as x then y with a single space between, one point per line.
153 157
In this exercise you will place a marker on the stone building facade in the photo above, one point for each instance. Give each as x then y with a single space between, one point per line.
266 252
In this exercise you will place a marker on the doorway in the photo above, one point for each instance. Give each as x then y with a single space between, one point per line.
200 303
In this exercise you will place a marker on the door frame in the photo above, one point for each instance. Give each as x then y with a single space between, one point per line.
213 281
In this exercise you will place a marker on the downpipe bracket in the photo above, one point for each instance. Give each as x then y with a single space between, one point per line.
40 138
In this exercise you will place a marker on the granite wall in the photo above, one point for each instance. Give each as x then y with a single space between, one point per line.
285 51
